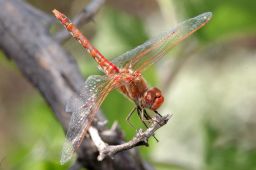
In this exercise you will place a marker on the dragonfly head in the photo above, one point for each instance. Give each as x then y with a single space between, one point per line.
153 98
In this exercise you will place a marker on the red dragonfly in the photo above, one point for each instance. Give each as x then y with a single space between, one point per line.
122 73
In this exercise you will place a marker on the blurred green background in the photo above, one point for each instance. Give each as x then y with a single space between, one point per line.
209 83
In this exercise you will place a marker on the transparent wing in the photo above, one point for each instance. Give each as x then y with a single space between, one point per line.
83 108
152 50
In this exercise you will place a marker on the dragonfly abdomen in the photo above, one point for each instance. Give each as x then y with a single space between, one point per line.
104 63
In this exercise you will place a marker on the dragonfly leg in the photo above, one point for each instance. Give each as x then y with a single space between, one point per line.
129 116
145 116
142 113
157 113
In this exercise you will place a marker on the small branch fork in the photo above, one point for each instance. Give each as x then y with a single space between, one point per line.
141 138
85 16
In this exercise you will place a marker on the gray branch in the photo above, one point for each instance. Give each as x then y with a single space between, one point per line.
141 138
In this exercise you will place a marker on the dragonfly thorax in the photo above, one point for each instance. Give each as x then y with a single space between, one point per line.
128 75
135 87
132 84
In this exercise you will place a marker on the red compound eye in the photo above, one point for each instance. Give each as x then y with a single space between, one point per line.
153 99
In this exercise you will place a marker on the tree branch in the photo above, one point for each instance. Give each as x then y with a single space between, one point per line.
82 18
141 138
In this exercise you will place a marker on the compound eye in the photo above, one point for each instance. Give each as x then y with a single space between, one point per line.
158 94
150 95
153 98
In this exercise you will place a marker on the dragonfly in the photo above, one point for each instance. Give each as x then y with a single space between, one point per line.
123 73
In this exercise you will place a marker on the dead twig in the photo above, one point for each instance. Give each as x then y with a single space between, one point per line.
141 138
82 18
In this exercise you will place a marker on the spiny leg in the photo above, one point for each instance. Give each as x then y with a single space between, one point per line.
157 113
129 116
139 111
147 115
149 118
143 112
144 116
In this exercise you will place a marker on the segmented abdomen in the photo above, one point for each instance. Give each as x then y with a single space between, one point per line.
105 64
